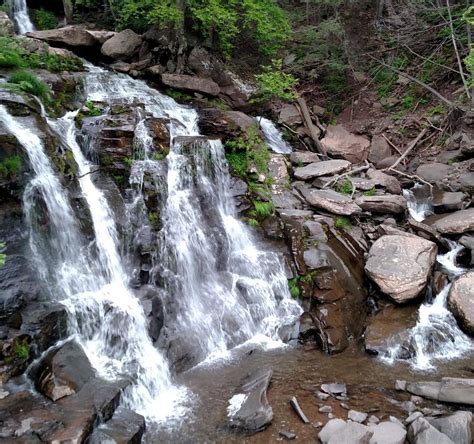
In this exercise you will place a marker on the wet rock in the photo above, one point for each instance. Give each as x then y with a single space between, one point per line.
356 416
401 265
125 427
445 201
191 83
122 46
387 433
385 204
468 242
72 36
390 183
300 158
422 432
331 201
345 433
423 230
252 412
7 27
340 143
455 223
433 172
455 390
457 426
63 372
325 168
298 410
461 301
379 149
214 122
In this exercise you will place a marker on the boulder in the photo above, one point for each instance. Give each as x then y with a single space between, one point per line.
331 201
72 36
390 183
422 432
468 242
63 372
446 201
102 35
7 27
466 182
317 169
330 429
220 124
454 390
387 432
379 150
458 222
340 143
122 46
290 115
433 172
249 410
384 204
401 265
191 83
456 427
300 158
351 433
461 302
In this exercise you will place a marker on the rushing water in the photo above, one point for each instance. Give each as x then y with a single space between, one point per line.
218 289
419 202
273 136
19 12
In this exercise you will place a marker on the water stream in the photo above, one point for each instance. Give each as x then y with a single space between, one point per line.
273 136
19 12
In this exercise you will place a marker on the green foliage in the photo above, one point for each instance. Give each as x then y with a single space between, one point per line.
10 167
261 209
342 223
344 187
27 82
239 162
370 192
128 161
21 350
94 111
3 256
178 96
409 102
438 109
293 286
44 19
253 222
153 218
274 83
453 161
158 156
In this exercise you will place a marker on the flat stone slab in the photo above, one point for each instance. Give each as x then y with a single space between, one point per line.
455 390
385 204
317 169
454 223
331 201
300 158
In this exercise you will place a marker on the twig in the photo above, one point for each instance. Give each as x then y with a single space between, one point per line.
408 150
340 176
303 108
412 176
431 61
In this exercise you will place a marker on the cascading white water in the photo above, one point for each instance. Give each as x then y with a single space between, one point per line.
273 136
19 13
436 335
419 209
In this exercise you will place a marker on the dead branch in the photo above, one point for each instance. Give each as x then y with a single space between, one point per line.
299 137
412 176
409 149
303 109
431 61
395 147
348 173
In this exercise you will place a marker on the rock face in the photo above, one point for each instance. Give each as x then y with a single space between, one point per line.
317 169
455 390
331 201
191 83
384 204
454 223
6 25
122 46
340 143
461 301
70 36
214 122
250 410
401 265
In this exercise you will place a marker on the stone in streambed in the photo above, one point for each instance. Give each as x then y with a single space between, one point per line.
422 432
454 390
401 265
249 410
461 301
454 223
390 183
122 46
303 157
331 201
317 169
446 201
384 204
387 432
191 83
433 172
72 36
457 426
339 142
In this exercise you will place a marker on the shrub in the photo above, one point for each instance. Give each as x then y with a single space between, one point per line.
10 167
344 187
274 83
29 83
293 286
262 209
21 350
44 19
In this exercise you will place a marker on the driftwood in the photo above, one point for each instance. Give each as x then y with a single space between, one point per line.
303 109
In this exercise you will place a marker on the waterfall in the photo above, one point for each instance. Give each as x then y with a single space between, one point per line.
419 207
436 334
273 136
19 13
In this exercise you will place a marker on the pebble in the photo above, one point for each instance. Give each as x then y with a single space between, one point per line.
400 385
325 409
331 416
373 419
408 406
323 396
317 424
288 435
416 399
356 416
334 388
3 393
344 406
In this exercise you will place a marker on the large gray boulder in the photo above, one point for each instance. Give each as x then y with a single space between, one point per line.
331 201
457 426
317 169
461 301
446 201
383 204
191 83
337 431
455 390
72 36
401 265
422 432
433 172
387 432
122 46
303 157
454 223
340 143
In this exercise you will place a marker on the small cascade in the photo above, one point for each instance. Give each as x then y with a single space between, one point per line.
419 200
19 13
273 136
436 334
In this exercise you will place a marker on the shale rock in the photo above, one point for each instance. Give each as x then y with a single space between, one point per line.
379 150
454 223
191 83
224 125
72 36
461 301
390 183
445 201
433 172
401 265
340 143
303 157
337 431
387 432
122 46
331 201
384 204
455 390
317 169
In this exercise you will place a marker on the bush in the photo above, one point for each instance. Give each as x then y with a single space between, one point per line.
274 83
9 168
29 83
44 19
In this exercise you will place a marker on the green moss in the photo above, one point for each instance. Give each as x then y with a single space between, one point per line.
3 256
262 209
21 350
153 218
158 156
370 192
238 161
293 286
253 222
344 187
25 81
10 167
342 223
